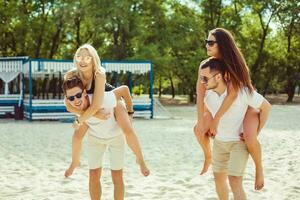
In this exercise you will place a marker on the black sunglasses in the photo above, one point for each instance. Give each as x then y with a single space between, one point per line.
78 96
205 79
210 42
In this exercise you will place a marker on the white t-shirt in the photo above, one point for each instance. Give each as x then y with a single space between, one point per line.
231 123
105 128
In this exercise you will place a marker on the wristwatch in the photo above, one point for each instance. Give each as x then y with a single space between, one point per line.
77 122
130 112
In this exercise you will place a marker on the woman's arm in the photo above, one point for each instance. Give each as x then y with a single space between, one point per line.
97 101
229 99
200 90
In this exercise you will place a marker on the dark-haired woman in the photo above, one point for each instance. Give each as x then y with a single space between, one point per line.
220 44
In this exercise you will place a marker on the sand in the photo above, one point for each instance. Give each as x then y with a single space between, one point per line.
34 155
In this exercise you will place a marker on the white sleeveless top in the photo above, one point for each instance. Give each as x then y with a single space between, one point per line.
105 128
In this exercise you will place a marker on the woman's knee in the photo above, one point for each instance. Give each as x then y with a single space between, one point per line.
250 126
198 133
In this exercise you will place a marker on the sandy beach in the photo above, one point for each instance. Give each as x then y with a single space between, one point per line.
34 156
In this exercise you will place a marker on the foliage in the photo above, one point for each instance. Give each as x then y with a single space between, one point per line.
169 33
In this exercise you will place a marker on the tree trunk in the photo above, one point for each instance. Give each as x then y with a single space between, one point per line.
56 39
77 21
44 17
290 86
259 56
291 93
265 29
159 87
191 94
270 77
172 86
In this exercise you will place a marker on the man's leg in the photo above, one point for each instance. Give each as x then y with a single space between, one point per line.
204 141
117 179
96 149
237 164
94 184
236 184
221 185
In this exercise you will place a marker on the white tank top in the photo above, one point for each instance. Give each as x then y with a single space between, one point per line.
105 128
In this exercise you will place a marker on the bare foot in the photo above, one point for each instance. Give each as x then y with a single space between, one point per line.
144 169
206 165
71 169
259 179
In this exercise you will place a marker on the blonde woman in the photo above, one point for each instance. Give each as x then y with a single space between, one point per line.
89 70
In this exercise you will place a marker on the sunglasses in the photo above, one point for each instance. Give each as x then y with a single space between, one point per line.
78 96
210 42
205 79
86 59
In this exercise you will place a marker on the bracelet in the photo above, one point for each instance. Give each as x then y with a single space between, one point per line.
77 121
130 112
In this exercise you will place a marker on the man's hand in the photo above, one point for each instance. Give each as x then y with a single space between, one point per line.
242 137
102 114
199 129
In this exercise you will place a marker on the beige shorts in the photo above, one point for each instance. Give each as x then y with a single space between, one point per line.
229 157
115 147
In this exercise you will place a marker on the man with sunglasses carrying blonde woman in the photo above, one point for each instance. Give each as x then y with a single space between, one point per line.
230 154
92 75
220 44
103 134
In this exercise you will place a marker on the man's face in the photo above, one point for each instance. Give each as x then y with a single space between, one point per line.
76 97
209 79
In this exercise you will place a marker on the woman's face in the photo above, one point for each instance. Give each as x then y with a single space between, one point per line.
212 46
84 60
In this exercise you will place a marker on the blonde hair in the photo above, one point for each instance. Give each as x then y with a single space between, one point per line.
97 68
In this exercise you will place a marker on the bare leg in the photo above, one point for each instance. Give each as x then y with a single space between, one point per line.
221 185
251 123
204 141
94 184
131 138
123 91
76 148
117 179
236 184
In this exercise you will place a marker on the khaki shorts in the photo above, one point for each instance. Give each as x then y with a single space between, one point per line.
230 157
115 147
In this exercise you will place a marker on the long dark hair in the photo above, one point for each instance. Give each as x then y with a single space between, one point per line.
233 58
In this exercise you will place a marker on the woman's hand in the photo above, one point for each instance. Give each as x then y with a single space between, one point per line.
214 126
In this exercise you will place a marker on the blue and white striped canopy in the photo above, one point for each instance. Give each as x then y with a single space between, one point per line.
41 66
